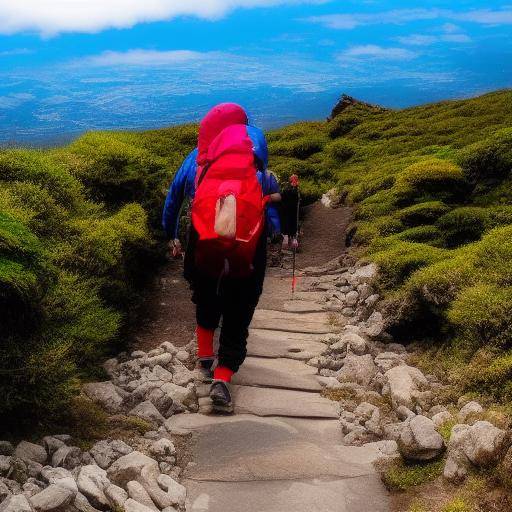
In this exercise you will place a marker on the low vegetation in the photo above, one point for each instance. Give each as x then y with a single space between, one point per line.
432 191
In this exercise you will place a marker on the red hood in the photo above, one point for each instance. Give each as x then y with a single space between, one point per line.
219 117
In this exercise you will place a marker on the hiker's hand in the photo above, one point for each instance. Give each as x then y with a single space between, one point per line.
294 244
175 248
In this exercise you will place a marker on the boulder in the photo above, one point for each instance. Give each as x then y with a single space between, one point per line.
368 416
175 490
384 450
149 479
162 449
116 496
52 444
374 326
30 488
183 395
419 440
147 411
403 385
82 504
4 491
92 481
5 465
137 492
31 451
105 394
106 452
481 444
470 409
6 448
53 499
68 457
59 476
351 298
364 274
129 467
350 342
359 369
131 505
441 418
16 503
387 360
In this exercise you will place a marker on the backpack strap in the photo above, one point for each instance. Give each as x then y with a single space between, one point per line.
203 173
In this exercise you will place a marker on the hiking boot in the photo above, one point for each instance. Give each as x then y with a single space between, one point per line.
221 397
205 367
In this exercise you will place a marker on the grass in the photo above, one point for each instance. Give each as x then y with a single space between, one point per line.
401 476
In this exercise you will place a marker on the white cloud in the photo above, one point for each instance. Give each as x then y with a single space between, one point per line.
15 51
372 51
401 16
427 40
50 17
139 57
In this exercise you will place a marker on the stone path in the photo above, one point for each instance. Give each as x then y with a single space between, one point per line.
281 451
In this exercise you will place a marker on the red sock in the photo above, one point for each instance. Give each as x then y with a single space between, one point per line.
223 373
204 342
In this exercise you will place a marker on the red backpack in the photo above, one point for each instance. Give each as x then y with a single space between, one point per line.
228 208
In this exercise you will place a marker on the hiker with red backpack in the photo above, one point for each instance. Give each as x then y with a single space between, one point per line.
225 260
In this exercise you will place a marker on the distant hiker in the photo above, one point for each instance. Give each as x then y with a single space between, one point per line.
225 258
289 212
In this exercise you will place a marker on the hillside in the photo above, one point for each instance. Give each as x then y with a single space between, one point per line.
432 191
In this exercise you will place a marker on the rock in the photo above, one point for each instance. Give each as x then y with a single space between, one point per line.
131 505
387 360
457 463
105 394
359 369
364 274
140 495
29 489
371 300
19 470
162 449
169 347
149 480
404 413
485 444
52 444
6 448
147 411
5 491
419 440
470 409
176 491
161 360
384 449
136 354
404 384
105 452
116 496
13 486
368 415
183 395
351 298
357 436
348 311
5 465
374 326
441 418
33 468
59 476
68 457
92 481
31 451
182 355
53 498
65 438
129 467
82 504
436 409
350 342
16 503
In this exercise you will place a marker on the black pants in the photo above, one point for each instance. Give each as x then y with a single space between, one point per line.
232 300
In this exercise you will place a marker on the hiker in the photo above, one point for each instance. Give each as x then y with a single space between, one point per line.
225 258
289 210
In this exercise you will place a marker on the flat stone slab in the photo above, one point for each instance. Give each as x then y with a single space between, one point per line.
302 306
271 314
362 494
282 402
301 346
277 373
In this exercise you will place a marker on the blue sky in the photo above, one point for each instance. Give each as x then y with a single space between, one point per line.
67 66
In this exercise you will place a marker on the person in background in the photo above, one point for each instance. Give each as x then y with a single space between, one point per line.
289 213
232 299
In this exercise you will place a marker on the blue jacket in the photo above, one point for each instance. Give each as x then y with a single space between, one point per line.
183 186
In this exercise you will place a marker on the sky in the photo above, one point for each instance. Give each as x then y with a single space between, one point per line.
67 66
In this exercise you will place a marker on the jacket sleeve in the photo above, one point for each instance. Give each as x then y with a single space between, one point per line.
176 196
274 222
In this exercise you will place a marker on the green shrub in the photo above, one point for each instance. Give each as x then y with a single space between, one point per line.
302 147
422 213
481 314
343 124
430 234
488 159
463 225
341 150
400 476
399 261
432 178
493 256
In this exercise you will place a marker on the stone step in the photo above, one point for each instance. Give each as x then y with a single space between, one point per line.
362 494
277 373
271 314
299 326
300 346
282 402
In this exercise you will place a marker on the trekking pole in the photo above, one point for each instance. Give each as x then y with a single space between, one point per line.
295 245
